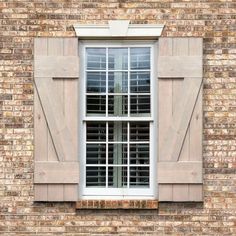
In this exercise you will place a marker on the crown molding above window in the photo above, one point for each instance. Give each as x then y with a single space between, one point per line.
118 29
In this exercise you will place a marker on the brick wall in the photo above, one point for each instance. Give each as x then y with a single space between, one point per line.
21 21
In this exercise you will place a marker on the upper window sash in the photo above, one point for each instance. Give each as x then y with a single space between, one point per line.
130 71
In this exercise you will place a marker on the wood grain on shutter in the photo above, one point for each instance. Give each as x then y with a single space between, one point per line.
51 69
55 119
180 119
56 172
176 172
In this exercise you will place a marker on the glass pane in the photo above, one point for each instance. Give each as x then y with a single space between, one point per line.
139 105
95 153
95 176
139 131
139 154
117 177
96 58
140 82
96 105
118 58
117 82
117 131
140 58
117 105
96 82
139 176
96 131
117 153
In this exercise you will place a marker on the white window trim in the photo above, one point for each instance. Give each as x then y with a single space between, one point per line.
131 193
120 29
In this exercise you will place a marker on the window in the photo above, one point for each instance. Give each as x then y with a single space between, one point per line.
118 124
118 120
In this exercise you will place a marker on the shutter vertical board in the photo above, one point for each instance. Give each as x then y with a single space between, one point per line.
40 46
195 139
40 143
69 191
55 193
165 191
195 46
180 119
40 128
70 102
70 47
180 192
55 47
40 125
195 128
195 192
58 85
52 155
56 134
71 113
41 192
180 49
166 47
165 91
177 90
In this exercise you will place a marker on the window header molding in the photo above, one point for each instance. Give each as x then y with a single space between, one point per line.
118 29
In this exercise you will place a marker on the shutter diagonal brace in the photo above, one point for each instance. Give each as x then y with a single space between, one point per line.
52 109
182 116
181 147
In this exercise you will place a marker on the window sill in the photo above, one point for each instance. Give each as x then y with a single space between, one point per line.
117 204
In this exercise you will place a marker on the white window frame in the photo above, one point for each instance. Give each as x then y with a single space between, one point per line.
121 193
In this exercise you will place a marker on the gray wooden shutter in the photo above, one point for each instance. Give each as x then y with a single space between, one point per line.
180 119
56 66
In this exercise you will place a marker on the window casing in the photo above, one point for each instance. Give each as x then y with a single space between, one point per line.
118 120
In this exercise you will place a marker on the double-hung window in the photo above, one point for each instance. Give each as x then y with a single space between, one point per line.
118 120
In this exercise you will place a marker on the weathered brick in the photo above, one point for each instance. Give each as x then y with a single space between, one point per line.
21 21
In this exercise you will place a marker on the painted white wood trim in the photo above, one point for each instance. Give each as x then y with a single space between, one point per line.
119 28
119 193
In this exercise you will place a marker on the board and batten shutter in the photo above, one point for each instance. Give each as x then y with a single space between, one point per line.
56 71
180 119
